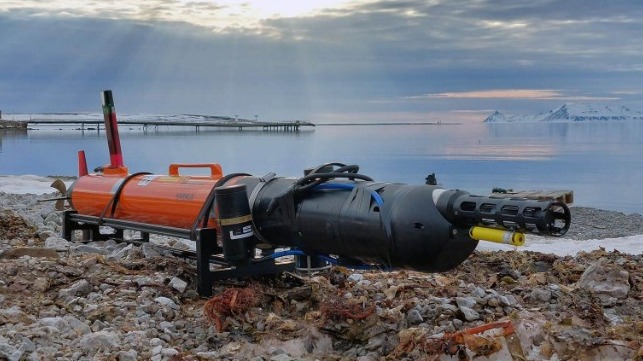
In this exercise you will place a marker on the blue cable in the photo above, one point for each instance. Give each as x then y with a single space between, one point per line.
296 252
346 186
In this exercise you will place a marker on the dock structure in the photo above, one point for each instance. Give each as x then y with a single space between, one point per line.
565 196
12 124
287 126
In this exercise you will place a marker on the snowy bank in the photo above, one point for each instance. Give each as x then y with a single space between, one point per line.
26 184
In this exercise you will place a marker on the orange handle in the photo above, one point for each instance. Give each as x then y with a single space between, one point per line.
215 168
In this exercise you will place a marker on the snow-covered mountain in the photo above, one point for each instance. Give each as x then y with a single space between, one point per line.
498 117
571 113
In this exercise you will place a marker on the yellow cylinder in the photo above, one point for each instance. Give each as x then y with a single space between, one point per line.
497 236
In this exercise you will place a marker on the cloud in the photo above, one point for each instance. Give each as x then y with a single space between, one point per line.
535 94
217 16
230 57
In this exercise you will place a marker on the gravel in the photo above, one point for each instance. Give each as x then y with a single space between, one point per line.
111 301
592 223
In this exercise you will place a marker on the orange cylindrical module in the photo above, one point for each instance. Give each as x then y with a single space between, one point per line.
168 200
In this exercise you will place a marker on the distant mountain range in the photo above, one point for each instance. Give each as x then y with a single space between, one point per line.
570 113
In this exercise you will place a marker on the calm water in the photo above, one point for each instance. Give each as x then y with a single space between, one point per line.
601 162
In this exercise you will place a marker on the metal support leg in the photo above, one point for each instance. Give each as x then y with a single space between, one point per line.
68 225
206 244
90 231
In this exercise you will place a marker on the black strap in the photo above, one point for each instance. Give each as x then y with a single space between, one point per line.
117 195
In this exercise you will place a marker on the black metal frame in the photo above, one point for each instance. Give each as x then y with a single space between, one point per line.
207 250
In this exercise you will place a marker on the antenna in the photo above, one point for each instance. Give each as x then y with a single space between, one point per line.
111 128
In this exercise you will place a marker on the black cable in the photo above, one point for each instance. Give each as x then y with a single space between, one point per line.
313 179
117 195
206 208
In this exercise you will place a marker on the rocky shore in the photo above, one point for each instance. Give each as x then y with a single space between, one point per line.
115 301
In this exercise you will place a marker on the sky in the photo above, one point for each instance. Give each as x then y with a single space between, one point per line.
323 61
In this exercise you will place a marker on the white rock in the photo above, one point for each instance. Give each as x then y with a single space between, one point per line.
167 302
608 283
178 284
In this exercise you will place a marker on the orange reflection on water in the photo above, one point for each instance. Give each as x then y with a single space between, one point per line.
482 151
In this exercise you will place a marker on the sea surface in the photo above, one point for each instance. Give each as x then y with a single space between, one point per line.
601 162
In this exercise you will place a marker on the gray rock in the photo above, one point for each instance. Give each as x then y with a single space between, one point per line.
149 251
53 217
540 294
121 252
414 317
9 352
43 353
27 345
469 314
369 357
492 301
11 313
556 291
144 281
613 318
478 292
457 323
130 355
67 325
57 243
281 357
101 340
45 233
111 244
465 302
376 343
78 289
58 323
83 248
210 355
169 352
76 325
504 300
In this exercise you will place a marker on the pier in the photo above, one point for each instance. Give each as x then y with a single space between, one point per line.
286 126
